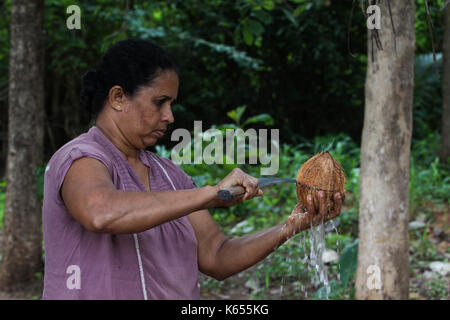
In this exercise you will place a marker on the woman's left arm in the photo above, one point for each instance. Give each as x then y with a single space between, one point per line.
221 257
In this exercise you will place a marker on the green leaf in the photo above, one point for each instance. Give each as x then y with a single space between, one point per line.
256 27
262 16
225 126
178 109
268 5
236 114
348 261
157 15
299 10
335 291
247 34
40 175
264 117
290 17
232 114
237 35
240 111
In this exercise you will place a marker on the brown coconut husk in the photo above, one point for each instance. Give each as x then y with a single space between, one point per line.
320 173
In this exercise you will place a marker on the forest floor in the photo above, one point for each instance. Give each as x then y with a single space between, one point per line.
424 285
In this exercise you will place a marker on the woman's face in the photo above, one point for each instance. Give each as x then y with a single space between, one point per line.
148 112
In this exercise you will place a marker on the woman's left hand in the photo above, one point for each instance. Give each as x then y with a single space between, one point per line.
303 218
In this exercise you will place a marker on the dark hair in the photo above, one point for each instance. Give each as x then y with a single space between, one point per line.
128 63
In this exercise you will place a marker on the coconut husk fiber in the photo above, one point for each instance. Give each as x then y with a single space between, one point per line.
320 172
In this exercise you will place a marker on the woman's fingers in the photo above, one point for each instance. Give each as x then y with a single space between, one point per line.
249 183
298 209
296 220
310 205
322 203
237 177
338 200
260 192
251 186
303 217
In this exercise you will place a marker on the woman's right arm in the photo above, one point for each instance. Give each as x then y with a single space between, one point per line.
92 199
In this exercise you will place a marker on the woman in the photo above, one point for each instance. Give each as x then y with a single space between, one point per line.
123 223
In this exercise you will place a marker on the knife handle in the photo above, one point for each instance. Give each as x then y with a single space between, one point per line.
231 193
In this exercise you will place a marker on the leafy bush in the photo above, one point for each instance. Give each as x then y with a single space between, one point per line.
429 179
429 182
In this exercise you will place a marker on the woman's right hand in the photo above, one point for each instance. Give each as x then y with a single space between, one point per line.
236 177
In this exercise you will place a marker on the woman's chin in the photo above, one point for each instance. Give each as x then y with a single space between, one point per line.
149 141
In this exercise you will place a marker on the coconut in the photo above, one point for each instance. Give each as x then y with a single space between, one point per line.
320 173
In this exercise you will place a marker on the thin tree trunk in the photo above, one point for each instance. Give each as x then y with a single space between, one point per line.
385 151
445 134
22 249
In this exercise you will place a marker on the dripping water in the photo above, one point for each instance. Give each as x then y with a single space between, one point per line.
333 226
317 248
312 258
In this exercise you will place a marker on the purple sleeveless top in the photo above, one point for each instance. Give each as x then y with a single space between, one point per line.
160 263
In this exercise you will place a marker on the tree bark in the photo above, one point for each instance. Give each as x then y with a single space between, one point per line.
22 248
385 151
444 153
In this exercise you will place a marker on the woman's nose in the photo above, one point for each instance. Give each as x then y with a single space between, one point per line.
167 115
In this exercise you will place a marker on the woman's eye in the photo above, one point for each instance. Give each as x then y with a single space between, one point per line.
160 102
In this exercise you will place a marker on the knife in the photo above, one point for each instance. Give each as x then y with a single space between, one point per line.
228 194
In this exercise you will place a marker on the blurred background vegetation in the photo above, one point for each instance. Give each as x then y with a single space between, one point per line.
288 60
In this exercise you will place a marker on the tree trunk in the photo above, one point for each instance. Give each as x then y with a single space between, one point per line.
385 151
22 248
445 134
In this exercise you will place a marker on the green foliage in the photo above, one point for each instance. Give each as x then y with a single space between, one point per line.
427 95
40 173
423 38
254 53
429 179
286 265
236 114
437 289
348 261
347 267
335 291
288 59
424 250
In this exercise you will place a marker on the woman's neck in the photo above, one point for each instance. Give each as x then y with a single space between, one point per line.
114 134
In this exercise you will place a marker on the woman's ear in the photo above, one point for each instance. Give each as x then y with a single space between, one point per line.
116 97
